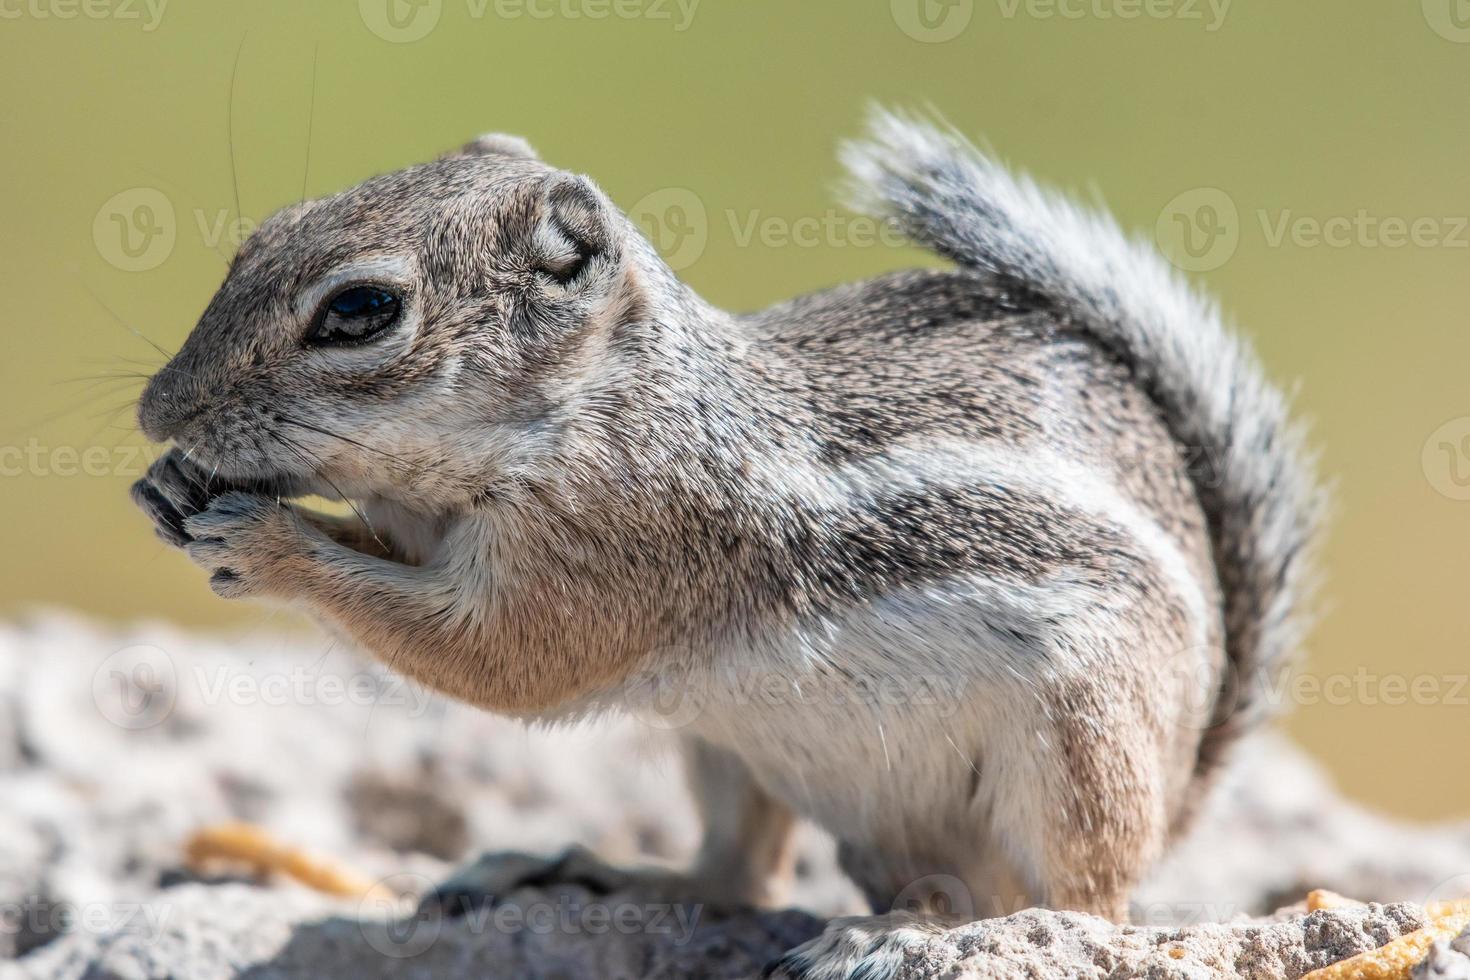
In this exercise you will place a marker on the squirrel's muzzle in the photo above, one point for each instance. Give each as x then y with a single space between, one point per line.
167 403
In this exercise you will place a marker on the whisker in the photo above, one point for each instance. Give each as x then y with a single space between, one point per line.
115 359
337 435
302 452
111 413
279 502
93 389
310 119
230 123
178 370
110 422
123 323
97 378
86 401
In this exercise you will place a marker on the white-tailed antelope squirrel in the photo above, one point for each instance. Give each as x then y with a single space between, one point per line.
1022 540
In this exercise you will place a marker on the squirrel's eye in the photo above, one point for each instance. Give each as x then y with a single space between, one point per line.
354 315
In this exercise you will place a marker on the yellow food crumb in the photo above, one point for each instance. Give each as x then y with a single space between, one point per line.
1321 898
251 845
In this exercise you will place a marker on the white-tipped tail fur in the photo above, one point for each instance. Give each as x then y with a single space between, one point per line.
1252 470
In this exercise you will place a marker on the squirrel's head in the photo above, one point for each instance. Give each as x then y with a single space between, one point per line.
410 335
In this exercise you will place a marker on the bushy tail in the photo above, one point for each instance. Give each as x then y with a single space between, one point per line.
1254 474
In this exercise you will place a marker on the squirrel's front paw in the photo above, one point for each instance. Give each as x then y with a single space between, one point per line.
172 491
247 543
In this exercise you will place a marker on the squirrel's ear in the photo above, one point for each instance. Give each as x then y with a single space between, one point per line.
576 230
496 145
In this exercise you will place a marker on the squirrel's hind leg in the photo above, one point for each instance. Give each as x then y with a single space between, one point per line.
746 858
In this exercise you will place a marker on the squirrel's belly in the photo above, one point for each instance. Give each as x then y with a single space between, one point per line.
927 678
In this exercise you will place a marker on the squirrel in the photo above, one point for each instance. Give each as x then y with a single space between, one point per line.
982 569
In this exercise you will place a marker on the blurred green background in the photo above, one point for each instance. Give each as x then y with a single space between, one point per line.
1308 159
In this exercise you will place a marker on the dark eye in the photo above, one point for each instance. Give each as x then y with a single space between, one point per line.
355 315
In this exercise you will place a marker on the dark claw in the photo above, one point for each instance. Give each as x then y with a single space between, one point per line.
166 518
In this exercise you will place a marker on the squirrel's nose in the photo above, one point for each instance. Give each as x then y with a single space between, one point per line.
166 404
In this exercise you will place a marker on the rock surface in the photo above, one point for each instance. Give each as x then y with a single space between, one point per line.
1447 960
116 744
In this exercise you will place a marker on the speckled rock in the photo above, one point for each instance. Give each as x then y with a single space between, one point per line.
116 744
1046 944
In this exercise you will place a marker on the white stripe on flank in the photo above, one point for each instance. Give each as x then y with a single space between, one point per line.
1038 471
